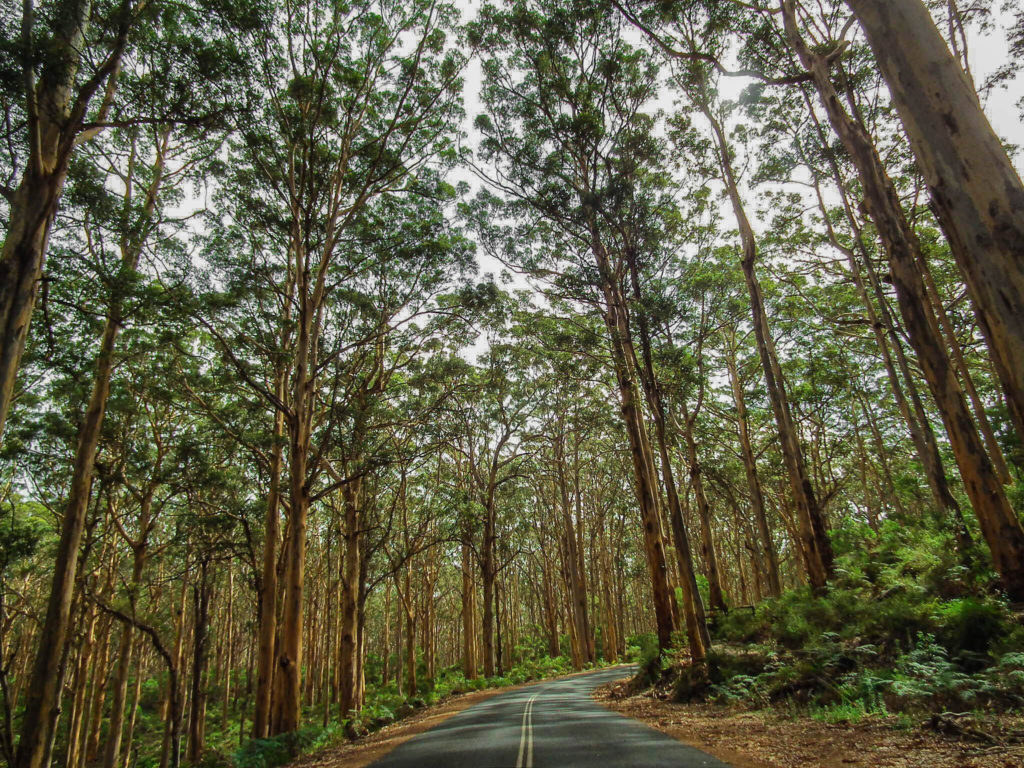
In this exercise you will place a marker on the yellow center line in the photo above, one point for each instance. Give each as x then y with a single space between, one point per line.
526 736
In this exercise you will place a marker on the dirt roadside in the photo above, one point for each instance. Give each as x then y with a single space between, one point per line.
362 752
761 739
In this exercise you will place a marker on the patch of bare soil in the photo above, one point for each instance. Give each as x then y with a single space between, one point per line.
764 739
362 752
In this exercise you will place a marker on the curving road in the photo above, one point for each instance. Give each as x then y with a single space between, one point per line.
549 725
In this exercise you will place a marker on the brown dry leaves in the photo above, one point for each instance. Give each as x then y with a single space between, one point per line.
770 740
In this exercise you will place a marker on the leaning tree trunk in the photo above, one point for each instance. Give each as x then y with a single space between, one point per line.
707 543
815 544
977 194
644 475
890 347
999 523
42 703
753 480
55 112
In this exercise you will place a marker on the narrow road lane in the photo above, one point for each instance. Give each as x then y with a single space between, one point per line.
550 725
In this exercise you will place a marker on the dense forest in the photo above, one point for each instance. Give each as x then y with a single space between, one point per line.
355 352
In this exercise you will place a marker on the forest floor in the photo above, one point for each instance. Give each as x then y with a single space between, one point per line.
770 739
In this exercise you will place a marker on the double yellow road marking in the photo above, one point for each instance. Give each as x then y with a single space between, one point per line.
526 737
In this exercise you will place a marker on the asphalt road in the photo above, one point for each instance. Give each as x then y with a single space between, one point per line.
550 725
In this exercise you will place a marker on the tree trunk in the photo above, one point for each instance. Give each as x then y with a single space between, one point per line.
266 654
750 468
42 700
469 661
644 476
575 584
348 643
816 547
999 523
977 194
890 346
715 596
200 630
487 575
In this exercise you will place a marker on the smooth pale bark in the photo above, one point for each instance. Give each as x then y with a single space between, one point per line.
285 708
890 346
995 452
999 523
815 544
976 192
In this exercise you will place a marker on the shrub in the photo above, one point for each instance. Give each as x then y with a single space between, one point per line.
925 678
970 625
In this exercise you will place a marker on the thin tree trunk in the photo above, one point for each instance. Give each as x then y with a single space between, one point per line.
575 585
348 643
268 583
750 468
469 661
200 632
816 547
715 596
